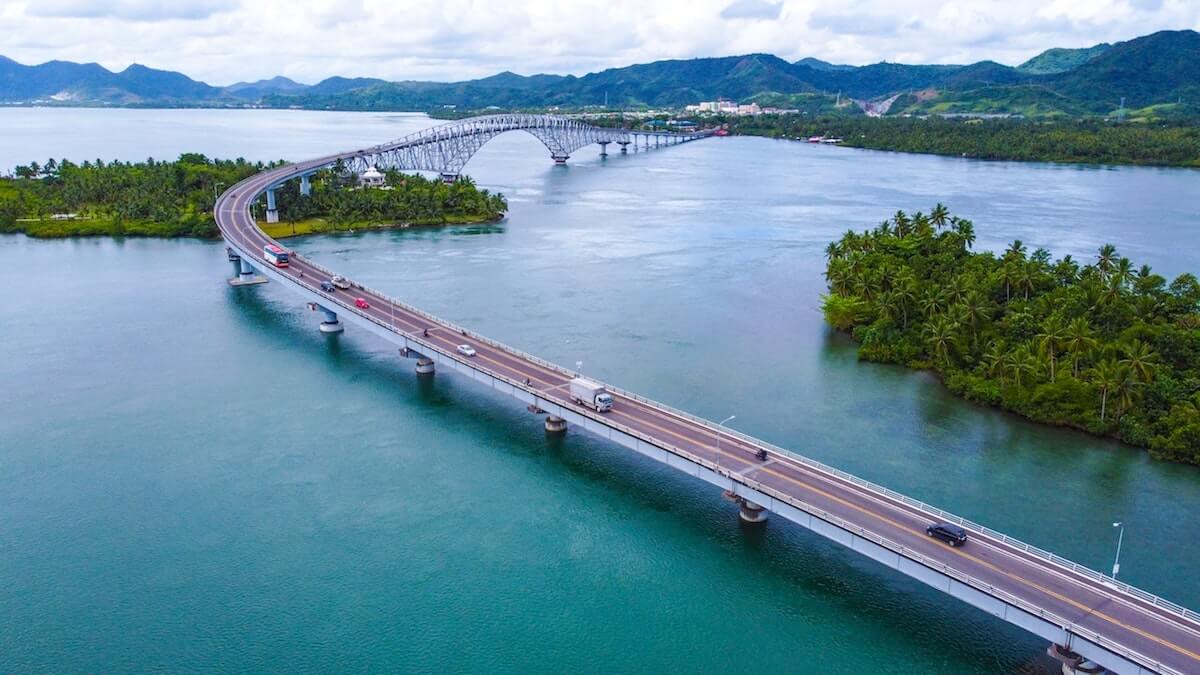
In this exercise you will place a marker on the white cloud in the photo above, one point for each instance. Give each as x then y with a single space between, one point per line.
221 41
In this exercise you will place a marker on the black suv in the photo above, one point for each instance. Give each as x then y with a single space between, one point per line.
327 287
951 534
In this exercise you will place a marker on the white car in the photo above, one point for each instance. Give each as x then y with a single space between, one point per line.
340 281
466 350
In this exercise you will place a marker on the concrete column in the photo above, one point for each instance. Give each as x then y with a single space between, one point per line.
305 186
751 512
624 146
604 148
330 323
272 213
1072 663
424 366
245 270
555 425
559 159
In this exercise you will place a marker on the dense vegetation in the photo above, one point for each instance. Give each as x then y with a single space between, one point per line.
1106 347
1063 141
175 199
406 199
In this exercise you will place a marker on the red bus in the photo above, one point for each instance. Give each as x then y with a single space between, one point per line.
275 255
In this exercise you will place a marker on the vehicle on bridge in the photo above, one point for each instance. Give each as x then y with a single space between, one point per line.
328 287
275 255
466 350
340 282
586 392
947 532
361 303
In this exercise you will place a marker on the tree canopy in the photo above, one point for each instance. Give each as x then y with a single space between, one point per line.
1105 346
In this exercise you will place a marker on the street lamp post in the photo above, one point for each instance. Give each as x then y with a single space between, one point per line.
1120 537
718 435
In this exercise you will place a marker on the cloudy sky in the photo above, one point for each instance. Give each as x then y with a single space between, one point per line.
222 41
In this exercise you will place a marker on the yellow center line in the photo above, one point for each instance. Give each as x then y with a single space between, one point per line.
900 526
541 370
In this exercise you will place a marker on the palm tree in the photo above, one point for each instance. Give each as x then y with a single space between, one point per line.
1140 359
1079 341
1050 340
938 215
1127 389
995 360
1016 250
1024 279
1106 376
966 230
932 302
940 335
1106 259
903 296
1123 274
1023 361
976 310
902 223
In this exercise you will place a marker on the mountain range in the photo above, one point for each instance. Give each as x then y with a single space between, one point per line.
1158 69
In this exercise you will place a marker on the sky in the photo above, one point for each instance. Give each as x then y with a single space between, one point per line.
224 41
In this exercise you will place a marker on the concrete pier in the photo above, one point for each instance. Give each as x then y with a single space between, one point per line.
330 323
555 425
245 274
425 366
449 177
1072 663
560 159
752 513
624 147
604 148
272 212
305 186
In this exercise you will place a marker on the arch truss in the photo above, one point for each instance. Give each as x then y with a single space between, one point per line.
447 148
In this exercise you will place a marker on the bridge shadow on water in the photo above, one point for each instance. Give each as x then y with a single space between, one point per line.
803 576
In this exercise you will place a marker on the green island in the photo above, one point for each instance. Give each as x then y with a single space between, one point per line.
1087 141
175 199
1105 347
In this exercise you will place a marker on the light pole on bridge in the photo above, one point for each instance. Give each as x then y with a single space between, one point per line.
1120 537
718 435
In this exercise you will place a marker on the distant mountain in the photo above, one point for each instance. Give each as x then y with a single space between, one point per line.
64 81
1158 69
818 64
1163 67
1060 60
256 90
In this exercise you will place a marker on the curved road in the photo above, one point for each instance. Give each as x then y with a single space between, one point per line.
1162 639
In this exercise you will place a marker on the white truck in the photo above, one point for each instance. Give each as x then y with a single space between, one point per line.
586 392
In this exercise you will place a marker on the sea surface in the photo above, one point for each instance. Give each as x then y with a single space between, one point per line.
193 478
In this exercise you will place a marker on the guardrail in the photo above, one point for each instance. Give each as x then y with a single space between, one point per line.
875 488
814 464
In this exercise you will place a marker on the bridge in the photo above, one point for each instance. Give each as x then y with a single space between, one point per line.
445 149
1090 620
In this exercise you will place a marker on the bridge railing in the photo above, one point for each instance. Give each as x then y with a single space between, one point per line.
1076 568
939 513
889 493
932 563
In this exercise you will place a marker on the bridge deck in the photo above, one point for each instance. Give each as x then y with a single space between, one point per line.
1158 638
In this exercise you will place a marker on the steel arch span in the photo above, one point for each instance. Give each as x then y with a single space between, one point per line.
447 148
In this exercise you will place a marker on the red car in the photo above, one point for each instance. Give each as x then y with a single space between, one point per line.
361 304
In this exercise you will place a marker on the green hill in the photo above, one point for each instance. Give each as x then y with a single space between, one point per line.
1060 60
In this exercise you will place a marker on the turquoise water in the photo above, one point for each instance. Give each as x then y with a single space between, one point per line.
192 477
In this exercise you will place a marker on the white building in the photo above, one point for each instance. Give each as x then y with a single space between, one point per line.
371 178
